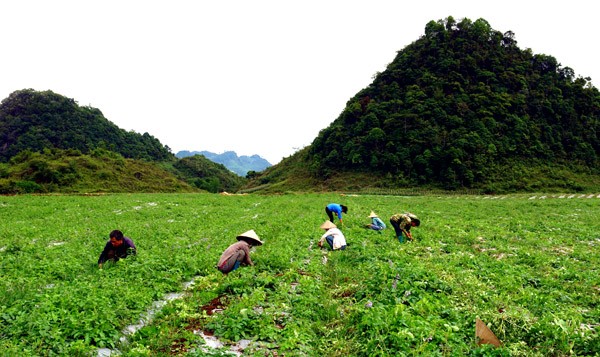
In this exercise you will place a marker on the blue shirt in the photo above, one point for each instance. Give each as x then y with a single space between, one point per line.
377 224
336 208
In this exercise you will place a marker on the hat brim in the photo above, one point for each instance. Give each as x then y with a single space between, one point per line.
328 225
250 240
250 237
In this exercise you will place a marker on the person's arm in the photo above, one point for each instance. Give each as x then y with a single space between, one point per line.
103 255
131 250
323 237
247 259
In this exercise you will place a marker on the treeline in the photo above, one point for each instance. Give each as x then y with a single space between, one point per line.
463 106
32 120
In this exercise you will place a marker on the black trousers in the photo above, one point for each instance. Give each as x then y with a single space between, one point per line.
329 214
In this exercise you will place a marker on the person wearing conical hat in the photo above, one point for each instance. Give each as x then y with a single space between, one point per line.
333 236
402 222
376 222
238 253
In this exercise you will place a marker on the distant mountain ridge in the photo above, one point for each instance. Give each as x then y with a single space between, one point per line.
241 165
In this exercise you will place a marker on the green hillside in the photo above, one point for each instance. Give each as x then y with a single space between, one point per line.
70 171
462 107
208 175
48 143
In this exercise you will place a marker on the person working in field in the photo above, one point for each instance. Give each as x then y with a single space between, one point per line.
376 222
402 223
238 253
117 247
336 208
333 236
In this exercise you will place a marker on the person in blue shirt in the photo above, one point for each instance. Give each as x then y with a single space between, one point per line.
336 208
376 222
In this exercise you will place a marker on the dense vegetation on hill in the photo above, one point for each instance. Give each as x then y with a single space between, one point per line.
463 107
48 143
208 175
32 120
70 171
241 165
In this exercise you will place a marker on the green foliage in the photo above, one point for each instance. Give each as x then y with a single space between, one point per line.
32 120
70 171
524 265
241 165
462 107
208 175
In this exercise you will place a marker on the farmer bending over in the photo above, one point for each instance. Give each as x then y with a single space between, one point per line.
238 253
402 222
334 237
336 208
376 222
117 247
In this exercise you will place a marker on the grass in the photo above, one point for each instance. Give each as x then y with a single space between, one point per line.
527 265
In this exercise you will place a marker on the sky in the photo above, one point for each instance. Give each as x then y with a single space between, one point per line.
258 77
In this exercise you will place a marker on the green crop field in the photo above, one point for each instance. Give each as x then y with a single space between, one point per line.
526 265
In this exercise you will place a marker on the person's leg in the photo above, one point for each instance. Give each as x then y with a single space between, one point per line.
329 214
329 240
397 230
233 262
239 259
236 265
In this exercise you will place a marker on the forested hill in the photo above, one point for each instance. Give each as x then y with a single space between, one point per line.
32 120
463 106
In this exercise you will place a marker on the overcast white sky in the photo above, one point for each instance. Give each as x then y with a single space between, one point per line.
256 77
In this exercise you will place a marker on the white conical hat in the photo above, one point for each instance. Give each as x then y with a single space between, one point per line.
373 215
250 235
328 224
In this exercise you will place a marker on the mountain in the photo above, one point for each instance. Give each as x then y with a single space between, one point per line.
208 175
48 143
241 165
462 107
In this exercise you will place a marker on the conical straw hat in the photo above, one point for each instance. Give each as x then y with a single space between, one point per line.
373 215
484 335
328 224
250 235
